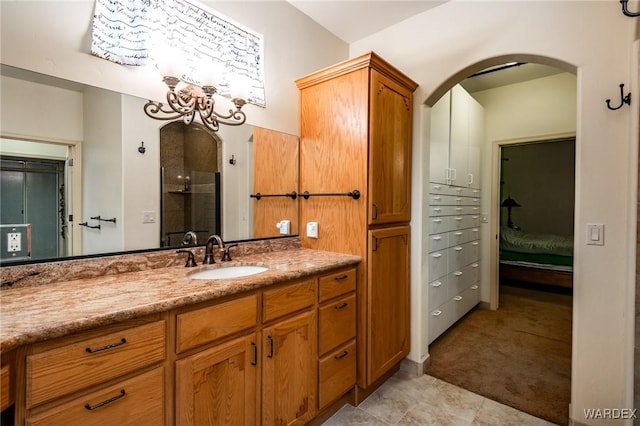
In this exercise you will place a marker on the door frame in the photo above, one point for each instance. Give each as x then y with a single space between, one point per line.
494 259
75 206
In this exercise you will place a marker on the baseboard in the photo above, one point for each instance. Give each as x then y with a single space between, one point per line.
414 368
484 305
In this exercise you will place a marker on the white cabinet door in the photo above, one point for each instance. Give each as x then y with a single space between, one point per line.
439 151
476 137
458 161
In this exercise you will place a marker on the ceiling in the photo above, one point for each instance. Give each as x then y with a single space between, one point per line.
337 16
351 20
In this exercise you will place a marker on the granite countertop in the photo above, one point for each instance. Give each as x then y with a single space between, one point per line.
36 313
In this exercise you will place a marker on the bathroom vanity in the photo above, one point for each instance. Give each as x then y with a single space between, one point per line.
157 347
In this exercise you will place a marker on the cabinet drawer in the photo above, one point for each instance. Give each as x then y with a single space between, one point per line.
205 325
437 264
440 319
93 361
337 323
337 373
337 284
463 236
288 299
438 292
438 241
137 401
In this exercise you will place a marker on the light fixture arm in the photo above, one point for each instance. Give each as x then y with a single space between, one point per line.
625 9
185 102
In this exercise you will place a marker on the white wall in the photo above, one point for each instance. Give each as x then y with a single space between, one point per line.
102 172
32 109
54 37
441 46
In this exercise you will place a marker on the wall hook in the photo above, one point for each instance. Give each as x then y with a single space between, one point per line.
623 99
232 161
141 148
625 9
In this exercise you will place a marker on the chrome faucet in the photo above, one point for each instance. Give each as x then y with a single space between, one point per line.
208 251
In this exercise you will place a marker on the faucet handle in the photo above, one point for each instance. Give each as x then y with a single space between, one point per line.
191 260
225 253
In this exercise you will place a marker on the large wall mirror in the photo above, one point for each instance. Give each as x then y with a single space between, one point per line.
90 173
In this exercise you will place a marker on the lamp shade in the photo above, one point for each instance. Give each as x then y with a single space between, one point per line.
510 202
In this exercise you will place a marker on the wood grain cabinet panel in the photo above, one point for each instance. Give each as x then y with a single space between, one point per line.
90 362
337 373
355 127
288 299
208 324
337 284
138 401
218 386
389 299
336 323
6 394
289 371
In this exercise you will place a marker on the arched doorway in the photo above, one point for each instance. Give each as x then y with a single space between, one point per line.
520 124
190 166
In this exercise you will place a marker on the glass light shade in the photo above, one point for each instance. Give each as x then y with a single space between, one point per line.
211 74
170 61
239 86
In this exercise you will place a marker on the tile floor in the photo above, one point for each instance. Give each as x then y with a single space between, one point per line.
406 400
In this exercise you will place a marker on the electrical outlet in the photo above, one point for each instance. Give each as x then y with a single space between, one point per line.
312 229
14 242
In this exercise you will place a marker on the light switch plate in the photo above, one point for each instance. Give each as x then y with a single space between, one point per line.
595 234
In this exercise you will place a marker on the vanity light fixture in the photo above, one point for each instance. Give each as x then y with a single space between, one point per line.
185 98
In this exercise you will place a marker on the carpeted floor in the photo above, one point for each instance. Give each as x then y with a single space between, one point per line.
519 355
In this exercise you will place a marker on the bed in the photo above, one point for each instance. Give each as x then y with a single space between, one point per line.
536 258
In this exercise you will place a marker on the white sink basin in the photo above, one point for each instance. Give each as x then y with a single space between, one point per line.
227 272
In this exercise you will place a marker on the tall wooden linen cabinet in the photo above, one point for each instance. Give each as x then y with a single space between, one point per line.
355 135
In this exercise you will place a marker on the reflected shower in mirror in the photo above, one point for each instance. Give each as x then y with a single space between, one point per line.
109 176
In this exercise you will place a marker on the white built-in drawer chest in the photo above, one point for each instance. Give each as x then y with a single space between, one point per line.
454 255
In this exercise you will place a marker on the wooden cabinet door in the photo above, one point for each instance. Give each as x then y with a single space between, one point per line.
388 299
289 371
218 386
389 151
276 173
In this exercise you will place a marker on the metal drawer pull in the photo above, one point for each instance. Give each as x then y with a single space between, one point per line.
255 353
105 402
436 284
458 273
342 355
458 249
437 313
458 209
437 198
457 298
104 348
458 218
458 233
344 305
438 238
341 277
437 255
437 220
474 287
270 355
475 265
